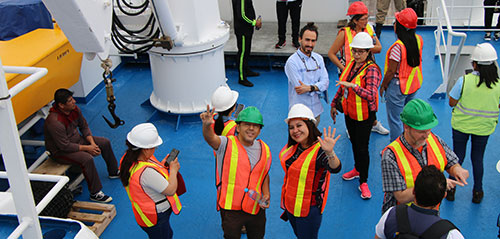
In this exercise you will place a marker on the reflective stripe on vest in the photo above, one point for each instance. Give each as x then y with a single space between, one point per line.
297 189
229 128
143 206
238 175
477 109
348 36
355 106
410 78
408 164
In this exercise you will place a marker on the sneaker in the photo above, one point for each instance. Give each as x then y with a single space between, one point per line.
496 36
351 175
477 196
450 194
487 36
296 44
280 44
116 175
100 197
365 191
378 128
245 82
252 73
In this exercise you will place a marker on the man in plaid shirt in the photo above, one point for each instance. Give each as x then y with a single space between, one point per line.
414 149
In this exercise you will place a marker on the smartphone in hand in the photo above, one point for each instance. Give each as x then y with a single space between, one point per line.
171 156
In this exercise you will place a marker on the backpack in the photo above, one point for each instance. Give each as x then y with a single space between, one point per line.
436 230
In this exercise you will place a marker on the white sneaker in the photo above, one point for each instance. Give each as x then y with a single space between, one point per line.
378 128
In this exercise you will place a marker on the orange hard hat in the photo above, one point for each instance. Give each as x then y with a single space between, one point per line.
357 8
407 17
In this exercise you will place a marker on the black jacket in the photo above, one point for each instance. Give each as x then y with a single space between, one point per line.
243 21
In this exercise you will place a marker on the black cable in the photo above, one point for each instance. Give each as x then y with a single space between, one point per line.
151 23
144 4
133 13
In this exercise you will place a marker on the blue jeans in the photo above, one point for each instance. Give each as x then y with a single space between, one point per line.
306 227
477 153
395 102
162 228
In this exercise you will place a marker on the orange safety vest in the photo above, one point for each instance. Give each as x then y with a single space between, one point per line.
410 78
229 127
237 174
348 36
408 164
143 206
297 190
355 106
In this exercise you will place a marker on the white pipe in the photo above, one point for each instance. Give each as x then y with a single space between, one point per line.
30 124
38 161
37 73
32 142
165 19
59 180
26 222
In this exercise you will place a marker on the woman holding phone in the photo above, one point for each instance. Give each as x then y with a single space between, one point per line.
151 186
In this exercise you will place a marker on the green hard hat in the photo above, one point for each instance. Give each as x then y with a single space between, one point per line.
251 115
419 115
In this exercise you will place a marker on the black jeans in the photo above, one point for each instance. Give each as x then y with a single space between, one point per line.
282 9
488 14
359 133
234 220
244 43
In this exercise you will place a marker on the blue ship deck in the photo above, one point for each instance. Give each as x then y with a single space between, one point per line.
346 214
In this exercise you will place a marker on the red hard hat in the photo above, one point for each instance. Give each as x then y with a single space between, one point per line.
407 17
357 8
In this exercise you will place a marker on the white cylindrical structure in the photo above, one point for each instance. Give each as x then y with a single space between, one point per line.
185 77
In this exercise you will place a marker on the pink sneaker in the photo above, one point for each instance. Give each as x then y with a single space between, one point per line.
351 175
365 191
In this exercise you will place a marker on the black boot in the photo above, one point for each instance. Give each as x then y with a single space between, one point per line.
378 29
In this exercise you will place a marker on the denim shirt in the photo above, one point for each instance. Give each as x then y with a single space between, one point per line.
314 74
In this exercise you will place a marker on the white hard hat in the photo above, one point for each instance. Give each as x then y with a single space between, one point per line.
484 54
498 166
362 40
300 111
144 136
223 98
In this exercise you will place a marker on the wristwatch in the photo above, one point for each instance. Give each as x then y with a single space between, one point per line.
312 88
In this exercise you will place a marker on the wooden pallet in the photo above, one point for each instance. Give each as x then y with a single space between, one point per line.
99 220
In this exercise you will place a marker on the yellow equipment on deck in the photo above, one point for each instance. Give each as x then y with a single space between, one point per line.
47 48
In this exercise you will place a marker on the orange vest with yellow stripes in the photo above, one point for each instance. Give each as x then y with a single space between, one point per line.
297 190
348 36
354 106
410 78
143 206
229 129
237 174
408 164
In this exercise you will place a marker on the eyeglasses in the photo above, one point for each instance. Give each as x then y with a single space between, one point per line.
358 51
305 65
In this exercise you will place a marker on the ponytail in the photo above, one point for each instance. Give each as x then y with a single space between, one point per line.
409 39
130 157
219 122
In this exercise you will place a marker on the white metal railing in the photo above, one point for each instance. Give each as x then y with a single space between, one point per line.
439 34
27 213
60 182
